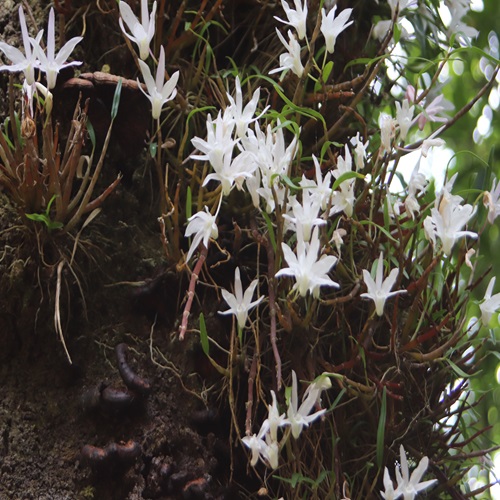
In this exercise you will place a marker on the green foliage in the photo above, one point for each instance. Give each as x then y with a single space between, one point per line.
45 217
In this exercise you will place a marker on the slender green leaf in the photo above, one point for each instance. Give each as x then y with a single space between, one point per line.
91 131
116 99
346 176
302 111
381 429
270 230
204 336
458 370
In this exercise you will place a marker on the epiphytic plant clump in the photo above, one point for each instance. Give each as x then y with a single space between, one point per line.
298 168
348 273
50 182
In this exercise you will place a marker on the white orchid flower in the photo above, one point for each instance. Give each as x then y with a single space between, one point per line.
344 199
204 226
320 190
50 63
360 148
387 130
240 303
159 92
332 26
142 32
296 18
491 303
305 213
407 486
309 271
298 417
447 221
243 116
379 290
404 117
290 59
26 62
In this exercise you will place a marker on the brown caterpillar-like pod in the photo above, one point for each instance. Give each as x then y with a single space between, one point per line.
130 378
127 452
116 399
113 454
195 489
107 398
94 456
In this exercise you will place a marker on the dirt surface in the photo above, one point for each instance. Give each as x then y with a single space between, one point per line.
49 409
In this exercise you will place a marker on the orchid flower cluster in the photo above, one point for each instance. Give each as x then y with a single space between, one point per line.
457 9
158 92
331 27
265 444
357 272
36 58
313 214
407 486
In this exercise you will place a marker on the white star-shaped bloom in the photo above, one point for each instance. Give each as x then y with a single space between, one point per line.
296 17
290 59
204 226
387 131
298 417
404 117
243 116
50 63
491 303
273 159
359 151
274 420
26 62
218 149
343 200
447 221
417 184
240 303
332 26
379 290
407 486
305 213
142 32
320 189
310 273
159 92
256 444
219 142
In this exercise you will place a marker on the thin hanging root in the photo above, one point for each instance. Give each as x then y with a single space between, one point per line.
57 311
190 294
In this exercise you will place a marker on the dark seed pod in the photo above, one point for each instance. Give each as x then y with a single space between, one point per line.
94 456
106 398
131 379
116 399
195 489
127 452
113 454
